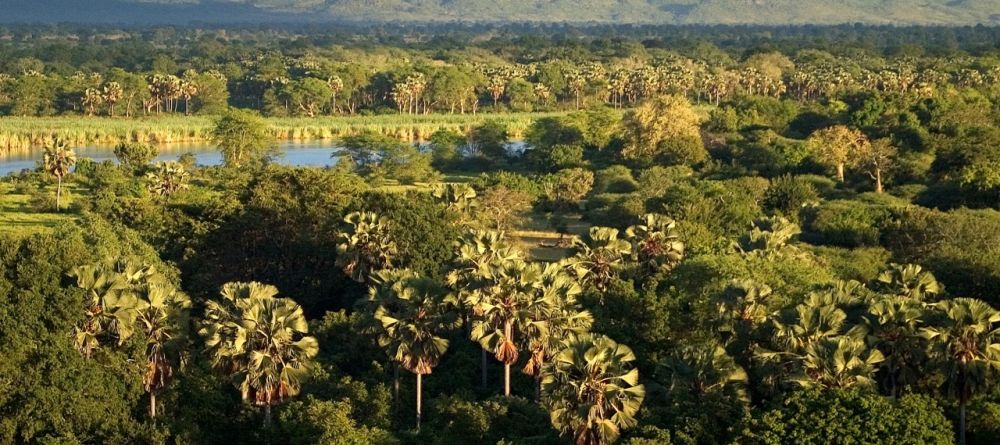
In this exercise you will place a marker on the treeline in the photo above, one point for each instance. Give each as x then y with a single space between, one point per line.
205 71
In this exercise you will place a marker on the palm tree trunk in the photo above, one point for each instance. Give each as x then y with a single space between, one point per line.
506 379
538 388
152 405
961 421
267 417
395 384
483 361
420 396
58 191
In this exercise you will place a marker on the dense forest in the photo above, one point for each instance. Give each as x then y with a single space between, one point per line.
714 236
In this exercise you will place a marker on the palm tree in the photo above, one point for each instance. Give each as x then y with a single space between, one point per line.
838 362
260 341
478 252
909 280
161 316
966 340
704 369
552 314
412 311
597 261
655 242
109 306
168 178
506 291
366 246
893 327
57 161
591 389
458 197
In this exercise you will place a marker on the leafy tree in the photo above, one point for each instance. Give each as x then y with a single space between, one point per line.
260 341
838 146
57 161
814 417
379 156
665 128
243 137
135 155
966 342
489 140
591 389
876 158
893 327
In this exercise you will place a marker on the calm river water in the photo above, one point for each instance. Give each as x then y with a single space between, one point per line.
313 154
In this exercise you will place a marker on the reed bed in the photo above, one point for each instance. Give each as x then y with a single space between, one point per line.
24 133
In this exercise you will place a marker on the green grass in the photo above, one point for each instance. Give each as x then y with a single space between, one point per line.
23 133
19 219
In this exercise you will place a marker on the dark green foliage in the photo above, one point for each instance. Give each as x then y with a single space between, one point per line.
846 223
445 146
850 417
423 229
489 140
787 195
958 246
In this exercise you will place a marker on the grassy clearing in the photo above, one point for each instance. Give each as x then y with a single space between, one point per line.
536 237
22 133
19 219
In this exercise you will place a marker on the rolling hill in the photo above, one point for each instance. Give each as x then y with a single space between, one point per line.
768 12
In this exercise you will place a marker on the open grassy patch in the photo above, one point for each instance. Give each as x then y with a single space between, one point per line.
19 218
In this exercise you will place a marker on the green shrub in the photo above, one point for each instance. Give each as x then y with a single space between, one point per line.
615 179
788 194
850 417
846 223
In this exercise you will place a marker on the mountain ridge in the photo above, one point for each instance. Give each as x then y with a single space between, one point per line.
755 12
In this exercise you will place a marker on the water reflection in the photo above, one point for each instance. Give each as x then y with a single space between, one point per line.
299 154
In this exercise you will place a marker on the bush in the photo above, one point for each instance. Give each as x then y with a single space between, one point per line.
788 194
41 200
850 417
860 264
845 223
654 180
510 180
615 179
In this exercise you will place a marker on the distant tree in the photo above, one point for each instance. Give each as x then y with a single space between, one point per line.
134 155
839 146
876 158
167 178
489 140
243 137
665 128
57 161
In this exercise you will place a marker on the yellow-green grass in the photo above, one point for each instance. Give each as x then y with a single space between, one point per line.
19 219
23 133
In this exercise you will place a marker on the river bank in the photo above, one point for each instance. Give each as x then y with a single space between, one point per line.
23 133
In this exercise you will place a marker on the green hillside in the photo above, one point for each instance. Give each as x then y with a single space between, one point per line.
951 12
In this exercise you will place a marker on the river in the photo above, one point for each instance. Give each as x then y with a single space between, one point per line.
299 154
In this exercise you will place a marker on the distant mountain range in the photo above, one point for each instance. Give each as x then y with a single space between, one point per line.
766 12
